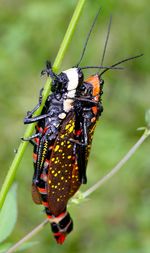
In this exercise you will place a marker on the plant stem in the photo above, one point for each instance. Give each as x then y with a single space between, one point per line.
117 167
28 236
65 43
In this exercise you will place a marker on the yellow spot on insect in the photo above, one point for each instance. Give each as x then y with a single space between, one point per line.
66 181
53 171
70 165
63 188
62 178
69 156
53 159
66 171
69 146
58 183
62 136
56 174
62 143
72 176
67 126
71 129
56 162
49 181
55 187
58 199
59 172
56 148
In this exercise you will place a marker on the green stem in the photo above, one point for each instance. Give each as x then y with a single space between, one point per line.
28 236
118 166
65 43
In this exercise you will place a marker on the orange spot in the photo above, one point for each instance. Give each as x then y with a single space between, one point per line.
95 81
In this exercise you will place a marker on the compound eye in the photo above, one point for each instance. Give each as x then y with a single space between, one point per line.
82 88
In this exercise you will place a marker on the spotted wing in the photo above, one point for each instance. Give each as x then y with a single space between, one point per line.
63 174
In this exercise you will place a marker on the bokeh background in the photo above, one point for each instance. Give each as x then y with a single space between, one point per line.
116 217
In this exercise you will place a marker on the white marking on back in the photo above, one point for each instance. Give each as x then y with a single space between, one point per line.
73 82
73 78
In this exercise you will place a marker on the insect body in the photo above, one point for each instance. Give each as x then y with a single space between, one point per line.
56 108
68 160
59 144
87 114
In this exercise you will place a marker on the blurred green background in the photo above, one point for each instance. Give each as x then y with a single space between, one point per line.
116 217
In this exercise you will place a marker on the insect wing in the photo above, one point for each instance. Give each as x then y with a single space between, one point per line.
63 174
36 195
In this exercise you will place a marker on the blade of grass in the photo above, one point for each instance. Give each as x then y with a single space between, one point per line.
65 43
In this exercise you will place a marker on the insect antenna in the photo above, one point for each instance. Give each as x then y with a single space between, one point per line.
119 62
88 36
106 40
101 67
104 51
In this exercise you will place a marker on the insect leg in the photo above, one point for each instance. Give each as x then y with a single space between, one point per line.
37 118
30 113
82 159
31 138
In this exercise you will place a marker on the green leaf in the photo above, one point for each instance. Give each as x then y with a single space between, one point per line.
4 247
8 214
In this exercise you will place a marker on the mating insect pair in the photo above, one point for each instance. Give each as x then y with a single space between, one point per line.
63 138
61 147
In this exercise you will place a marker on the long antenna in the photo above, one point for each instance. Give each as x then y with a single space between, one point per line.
118 63
88 36
106 41
100 67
